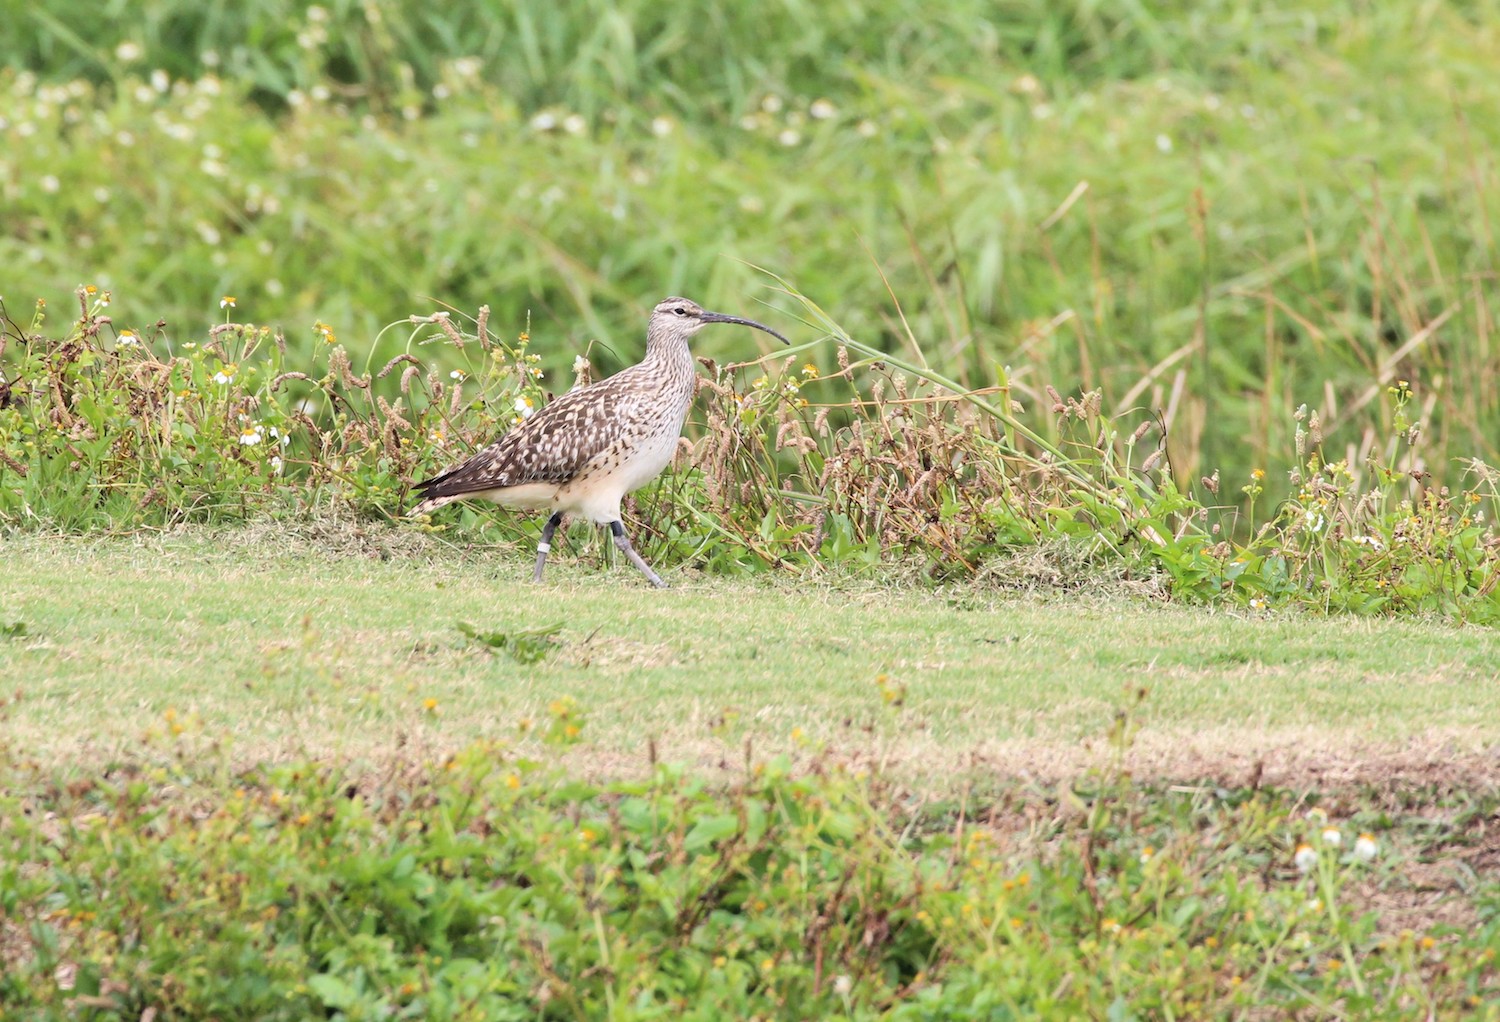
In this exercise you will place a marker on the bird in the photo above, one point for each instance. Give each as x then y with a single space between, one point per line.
583 451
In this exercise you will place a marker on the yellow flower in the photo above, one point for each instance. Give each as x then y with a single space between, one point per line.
430 705
809 370
512 781
227 302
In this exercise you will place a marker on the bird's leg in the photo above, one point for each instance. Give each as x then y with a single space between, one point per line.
545 546
617 529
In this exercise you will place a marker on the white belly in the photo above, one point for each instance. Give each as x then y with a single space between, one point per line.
597 495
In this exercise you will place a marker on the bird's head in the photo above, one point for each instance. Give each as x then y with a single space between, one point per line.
679 319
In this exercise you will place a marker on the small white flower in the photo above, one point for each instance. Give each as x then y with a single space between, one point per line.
544 121
1258 603
822 110
50 183
1164 143
842 984
276 465
459 375
867 129
1306 858
1365 847
128 52
661 127
1313 521
227 302
1331 836
225 375
250 435
128 339
160 80
524 407
789 137
574 124
771 104
1147 854
1373 542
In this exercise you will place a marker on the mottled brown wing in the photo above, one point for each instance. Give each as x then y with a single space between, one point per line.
552 446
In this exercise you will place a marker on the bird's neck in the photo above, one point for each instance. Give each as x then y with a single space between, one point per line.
669 353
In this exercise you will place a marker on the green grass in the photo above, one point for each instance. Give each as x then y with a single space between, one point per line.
322 769
1280 198
285 648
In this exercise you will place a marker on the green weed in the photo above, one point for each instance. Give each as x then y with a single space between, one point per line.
529 646
497 886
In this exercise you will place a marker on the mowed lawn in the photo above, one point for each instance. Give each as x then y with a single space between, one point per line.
278 647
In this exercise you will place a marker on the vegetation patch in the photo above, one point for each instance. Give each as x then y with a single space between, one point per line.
493 885
891 462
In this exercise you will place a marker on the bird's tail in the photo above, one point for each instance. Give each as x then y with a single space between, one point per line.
431 501
430 504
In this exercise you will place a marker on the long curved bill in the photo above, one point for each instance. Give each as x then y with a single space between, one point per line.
719 317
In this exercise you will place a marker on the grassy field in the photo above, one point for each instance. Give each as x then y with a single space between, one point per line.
287 648
1088 617
275 754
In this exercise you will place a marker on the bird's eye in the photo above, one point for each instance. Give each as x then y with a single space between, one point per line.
680 311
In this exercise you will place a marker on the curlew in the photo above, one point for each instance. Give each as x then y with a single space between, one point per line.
585 450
